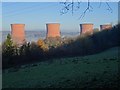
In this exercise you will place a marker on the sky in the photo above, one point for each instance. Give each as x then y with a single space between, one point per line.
35 15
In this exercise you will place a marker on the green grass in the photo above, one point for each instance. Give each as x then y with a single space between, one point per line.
100 70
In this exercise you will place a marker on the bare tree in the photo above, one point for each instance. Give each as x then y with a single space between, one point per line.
73 5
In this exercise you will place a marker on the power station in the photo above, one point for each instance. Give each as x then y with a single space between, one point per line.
105 26
18 33
86 28
53 30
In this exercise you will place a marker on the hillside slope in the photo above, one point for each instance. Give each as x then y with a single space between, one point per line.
100 70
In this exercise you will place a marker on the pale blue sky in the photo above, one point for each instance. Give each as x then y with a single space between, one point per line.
35 15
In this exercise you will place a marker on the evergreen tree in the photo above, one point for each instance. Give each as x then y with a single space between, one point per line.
8 47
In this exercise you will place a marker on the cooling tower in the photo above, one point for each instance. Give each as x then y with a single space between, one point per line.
18 33
53 30
105 26
86 28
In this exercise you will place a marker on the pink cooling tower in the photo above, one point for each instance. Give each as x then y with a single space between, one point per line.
18 33
53 30
86 28
105 26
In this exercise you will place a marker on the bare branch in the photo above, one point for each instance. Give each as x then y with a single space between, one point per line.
89 8
72 6
109 8
78 5
100 4
66 8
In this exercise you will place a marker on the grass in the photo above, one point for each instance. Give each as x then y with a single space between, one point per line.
99 70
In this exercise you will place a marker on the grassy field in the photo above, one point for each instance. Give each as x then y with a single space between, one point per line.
99 70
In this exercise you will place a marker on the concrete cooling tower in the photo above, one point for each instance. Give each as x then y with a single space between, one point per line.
53 30
86 28
105 26
18 33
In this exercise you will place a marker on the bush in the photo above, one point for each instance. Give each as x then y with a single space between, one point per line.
42 50
42 45
8 51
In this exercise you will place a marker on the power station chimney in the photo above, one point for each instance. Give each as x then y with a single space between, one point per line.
105 26
18 33
86 28
53 30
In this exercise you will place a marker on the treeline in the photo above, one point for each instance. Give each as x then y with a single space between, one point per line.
12 55
90 44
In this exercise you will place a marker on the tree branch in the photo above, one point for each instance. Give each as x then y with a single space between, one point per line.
71 6
89 8
109 8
